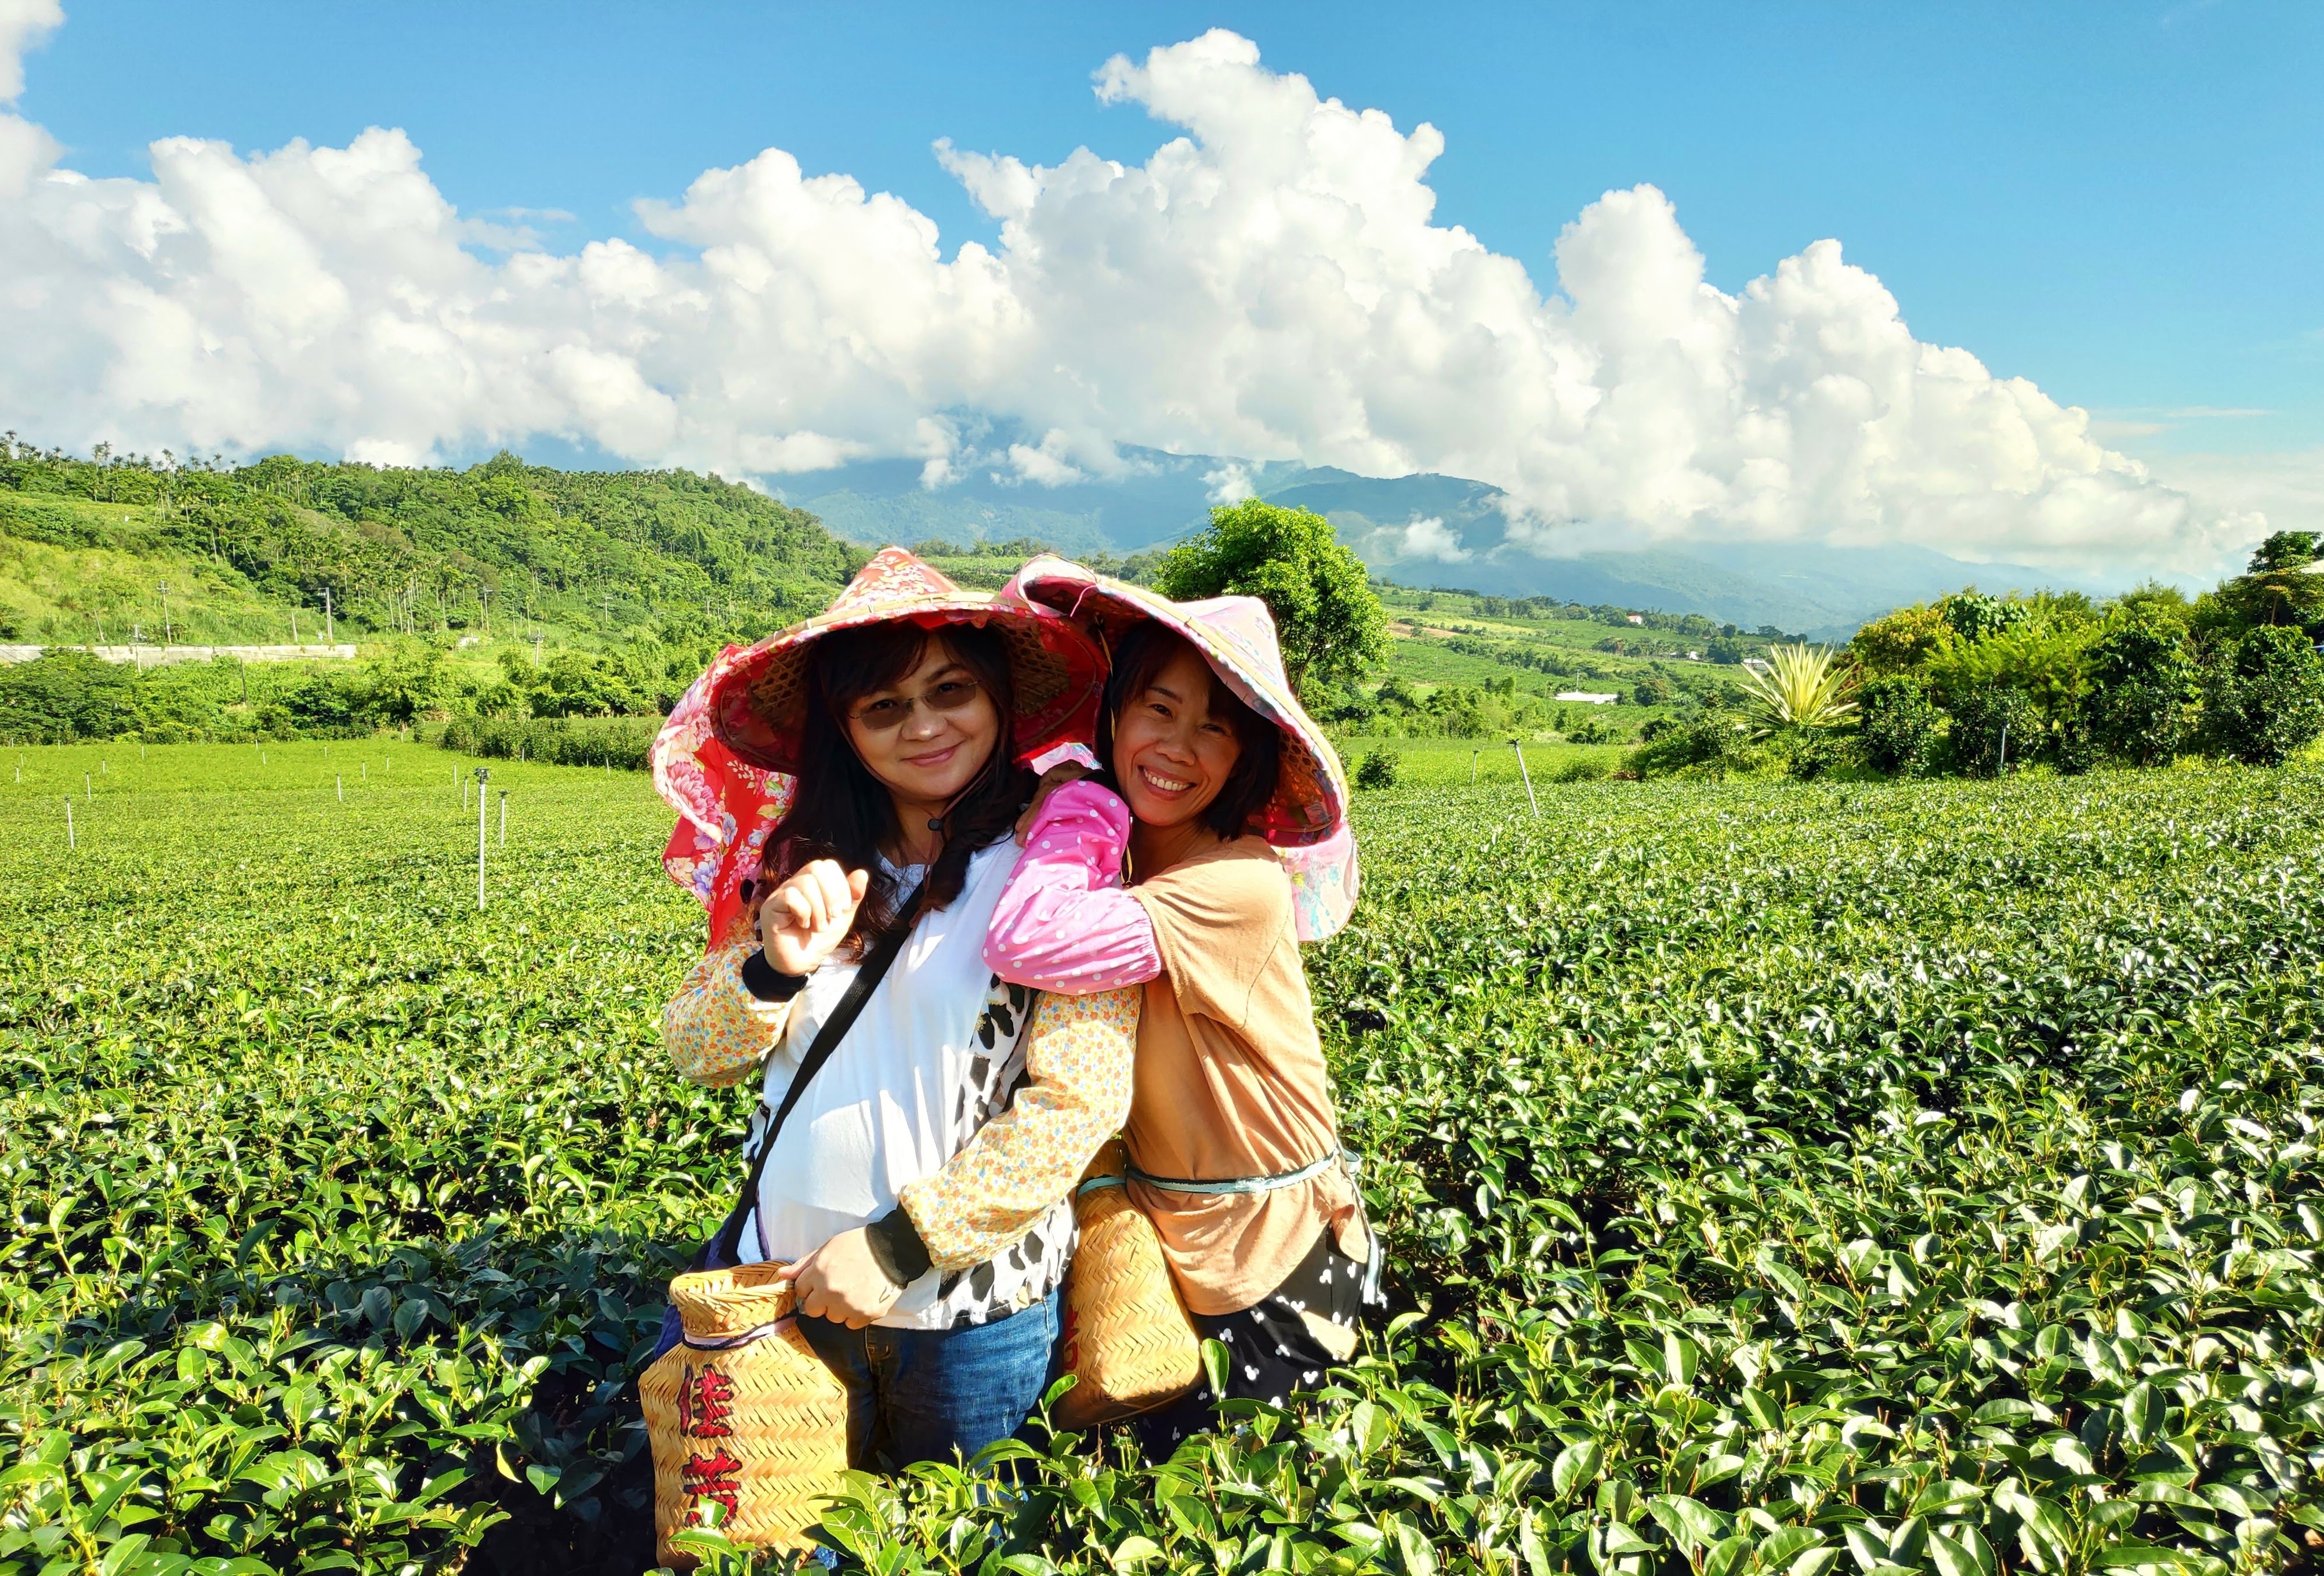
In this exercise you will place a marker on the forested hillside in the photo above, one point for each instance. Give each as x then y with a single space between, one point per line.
501 548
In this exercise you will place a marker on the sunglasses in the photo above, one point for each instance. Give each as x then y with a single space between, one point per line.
889 712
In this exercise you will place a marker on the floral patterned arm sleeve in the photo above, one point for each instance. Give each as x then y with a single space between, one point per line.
1075 1096
714 1029
1064 923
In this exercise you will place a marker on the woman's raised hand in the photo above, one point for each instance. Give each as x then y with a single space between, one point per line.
807 916
1055 778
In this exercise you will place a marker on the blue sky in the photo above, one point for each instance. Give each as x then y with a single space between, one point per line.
2124 202
2117 203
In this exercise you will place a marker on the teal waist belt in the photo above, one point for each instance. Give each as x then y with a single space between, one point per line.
1347 1159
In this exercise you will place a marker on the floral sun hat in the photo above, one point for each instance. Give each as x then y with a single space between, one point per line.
1306 819
725 759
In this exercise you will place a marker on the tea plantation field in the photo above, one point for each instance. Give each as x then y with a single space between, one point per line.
1828 1180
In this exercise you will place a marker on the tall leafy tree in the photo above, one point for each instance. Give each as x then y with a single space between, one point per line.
2283 586
2266 703
1332 626
2142 681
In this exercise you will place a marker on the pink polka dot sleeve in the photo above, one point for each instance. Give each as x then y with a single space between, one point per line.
1064 923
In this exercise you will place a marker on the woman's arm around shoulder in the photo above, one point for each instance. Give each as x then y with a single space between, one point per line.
1064 923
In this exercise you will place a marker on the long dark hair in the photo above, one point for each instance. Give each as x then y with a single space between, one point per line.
1139 658
844 813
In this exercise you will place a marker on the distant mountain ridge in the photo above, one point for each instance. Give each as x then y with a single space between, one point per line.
1421 529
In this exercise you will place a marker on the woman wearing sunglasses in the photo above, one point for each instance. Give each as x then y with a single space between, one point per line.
848 789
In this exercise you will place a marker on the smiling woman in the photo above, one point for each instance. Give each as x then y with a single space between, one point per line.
848 787
1232 1142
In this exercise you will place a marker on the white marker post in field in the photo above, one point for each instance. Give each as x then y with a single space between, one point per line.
481 775
342 783
503 817
1526 774
71 842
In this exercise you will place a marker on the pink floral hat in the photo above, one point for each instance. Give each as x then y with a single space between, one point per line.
726 756
1306 819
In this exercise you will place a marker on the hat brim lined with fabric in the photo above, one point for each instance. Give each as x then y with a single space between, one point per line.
758 708
1307 818
727 758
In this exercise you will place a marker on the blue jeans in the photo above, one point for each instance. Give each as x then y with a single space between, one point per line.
920 1394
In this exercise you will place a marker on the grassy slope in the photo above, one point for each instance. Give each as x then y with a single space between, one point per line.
59 595
579 556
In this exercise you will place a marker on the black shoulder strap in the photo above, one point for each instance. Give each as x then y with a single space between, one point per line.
728 1243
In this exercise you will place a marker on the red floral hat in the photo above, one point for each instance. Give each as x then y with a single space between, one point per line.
725 759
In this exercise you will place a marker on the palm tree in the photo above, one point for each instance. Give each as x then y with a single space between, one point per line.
1804 687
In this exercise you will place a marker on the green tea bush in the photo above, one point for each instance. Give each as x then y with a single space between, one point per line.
1777 1178
1378 770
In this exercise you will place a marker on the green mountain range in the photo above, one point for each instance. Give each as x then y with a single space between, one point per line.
112 548
1423 530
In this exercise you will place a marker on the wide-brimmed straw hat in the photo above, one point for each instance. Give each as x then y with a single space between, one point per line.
759 706
1306 817
727 757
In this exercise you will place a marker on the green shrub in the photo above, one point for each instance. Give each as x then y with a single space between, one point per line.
1993 725
1898 724
1715 745
2266 703
2142 682
67 695
622 742
1808 753
1378 770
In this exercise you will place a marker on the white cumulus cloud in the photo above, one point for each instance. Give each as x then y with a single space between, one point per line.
1430 538
1269 284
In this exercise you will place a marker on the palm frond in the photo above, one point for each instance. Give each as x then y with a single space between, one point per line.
1805 686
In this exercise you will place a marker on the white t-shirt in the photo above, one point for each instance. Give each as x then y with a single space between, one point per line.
936 1052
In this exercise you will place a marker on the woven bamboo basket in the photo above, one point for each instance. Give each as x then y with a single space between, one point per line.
1129 1343
743 1413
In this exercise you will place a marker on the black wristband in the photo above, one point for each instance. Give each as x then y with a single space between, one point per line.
896 1248
761 979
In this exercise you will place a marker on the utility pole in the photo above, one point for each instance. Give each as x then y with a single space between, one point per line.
164 589
482 774
330 627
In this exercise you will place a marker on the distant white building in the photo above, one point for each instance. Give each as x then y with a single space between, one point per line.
1637 618
1756 666
1586 698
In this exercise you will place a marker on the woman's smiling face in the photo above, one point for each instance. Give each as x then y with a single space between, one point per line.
929 733
1171 751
